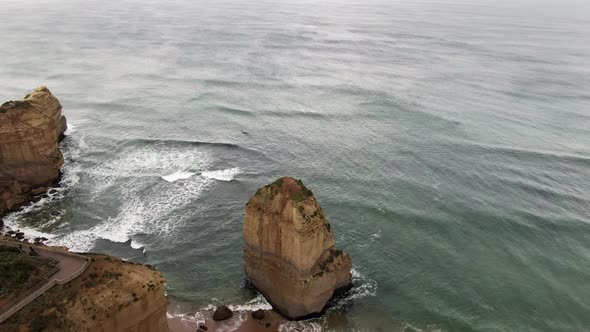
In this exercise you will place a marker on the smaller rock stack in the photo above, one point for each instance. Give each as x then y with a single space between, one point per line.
30 130
289 252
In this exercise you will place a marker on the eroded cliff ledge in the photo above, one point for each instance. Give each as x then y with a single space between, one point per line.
30 130
289 252
110 296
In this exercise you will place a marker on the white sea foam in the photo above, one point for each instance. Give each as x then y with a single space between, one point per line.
13 219
30 233
179 175
147 206
146 214
407 327
257 303
362 287
375 236
136 245
70 130
222 175
300 326
241 313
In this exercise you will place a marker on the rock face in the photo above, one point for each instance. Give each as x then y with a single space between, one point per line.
222 313
30 130
289 253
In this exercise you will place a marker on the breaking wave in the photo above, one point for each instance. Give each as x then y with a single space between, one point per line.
179 175
300 327
362 286
222 175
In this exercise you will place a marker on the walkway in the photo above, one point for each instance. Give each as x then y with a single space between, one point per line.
69 267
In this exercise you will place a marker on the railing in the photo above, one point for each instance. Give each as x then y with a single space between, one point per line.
22 301
45 279
75 274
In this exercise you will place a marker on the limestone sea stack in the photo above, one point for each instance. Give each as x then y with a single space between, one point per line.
289 253
30 130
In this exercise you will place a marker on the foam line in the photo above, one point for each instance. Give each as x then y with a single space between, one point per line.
222 175
179 175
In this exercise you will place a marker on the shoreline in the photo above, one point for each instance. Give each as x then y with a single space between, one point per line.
241 321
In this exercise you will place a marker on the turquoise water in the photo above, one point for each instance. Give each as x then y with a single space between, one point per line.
447 141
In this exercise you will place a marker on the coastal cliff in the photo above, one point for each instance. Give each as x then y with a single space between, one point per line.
30 159
289 252
111 296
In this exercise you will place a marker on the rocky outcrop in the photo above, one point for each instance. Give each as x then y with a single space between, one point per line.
30 130
289 253
222 313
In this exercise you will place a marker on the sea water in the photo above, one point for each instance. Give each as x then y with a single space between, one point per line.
448 142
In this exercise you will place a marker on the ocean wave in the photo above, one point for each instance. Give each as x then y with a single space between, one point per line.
232 110
362 287
520 153
205 314
37 228
177 143
257 303
70 130
136 244
30 232
178 175
300 326
222 175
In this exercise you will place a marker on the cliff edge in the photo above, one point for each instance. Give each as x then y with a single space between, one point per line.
289 252
111 296
30 130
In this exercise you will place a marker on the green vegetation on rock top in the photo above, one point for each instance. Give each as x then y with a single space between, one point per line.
20 271
7 106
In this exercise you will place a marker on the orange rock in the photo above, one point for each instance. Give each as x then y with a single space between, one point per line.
30 158
289 253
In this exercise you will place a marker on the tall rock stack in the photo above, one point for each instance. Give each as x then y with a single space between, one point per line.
289 253
30 130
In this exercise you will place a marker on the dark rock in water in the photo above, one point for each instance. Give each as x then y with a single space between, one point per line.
202 328
10 232
258 314
55 213
222 313
43 238
52 191
20 236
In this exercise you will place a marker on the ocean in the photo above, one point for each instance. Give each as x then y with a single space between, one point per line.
448 142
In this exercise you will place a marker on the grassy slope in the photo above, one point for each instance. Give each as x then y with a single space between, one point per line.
20 271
